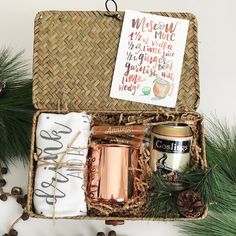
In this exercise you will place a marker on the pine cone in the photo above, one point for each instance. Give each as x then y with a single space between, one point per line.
190 204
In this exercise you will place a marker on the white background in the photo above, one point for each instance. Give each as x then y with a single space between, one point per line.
217 50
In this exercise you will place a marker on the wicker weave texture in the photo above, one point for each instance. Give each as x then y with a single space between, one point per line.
74 60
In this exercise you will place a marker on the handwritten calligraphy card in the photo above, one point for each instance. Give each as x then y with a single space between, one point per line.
149 59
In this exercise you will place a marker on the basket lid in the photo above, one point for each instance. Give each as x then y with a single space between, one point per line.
74 60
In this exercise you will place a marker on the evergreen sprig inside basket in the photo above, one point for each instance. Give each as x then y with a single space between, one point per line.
164 194
162 201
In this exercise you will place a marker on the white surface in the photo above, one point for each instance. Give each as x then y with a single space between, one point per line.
217 50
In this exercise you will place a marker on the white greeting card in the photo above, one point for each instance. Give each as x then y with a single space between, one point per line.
149 59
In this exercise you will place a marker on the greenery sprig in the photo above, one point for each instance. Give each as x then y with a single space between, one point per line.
219 186
16 109
162 201
217 183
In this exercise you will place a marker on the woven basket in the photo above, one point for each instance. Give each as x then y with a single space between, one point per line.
75 53
74 60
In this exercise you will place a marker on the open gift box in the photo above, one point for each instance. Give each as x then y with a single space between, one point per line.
74 59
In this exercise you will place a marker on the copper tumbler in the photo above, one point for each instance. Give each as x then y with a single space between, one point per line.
114 162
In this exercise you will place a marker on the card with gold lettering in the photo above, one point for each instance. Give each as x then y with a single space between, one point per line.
149 59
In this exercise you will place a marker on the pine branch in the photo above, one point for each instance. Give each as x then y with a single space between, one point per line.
216 224
16 109
162 200
213 186
219 185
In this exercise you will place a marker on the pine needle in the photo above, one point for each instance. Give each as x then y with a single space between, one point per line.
219 184
162 200
16 109
216 224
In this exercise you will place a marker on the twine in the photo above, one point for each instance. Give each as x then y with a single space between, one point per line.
15 222
61 164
